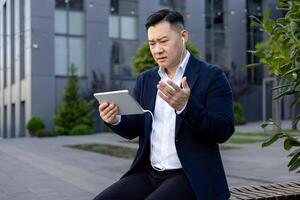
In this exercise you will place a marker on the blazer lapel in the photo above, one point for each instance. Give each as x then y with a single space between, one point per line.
192 73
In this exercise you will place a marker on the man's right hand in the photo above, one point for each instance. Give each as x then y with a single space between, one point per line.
108 112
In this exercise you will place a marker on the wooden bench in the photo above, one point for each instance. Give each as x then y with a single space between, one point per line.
278 191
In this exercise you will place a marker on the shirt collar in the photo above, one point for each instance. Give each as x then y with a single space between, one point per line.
181 67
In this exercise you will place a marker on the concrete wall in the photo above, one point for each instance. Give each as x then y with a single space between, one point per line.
42 60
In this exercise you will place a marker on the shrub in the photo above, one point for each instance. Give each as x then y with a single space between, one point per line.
143 59
45 133
59 130
239 117
81 130
281 53
75 110
35 124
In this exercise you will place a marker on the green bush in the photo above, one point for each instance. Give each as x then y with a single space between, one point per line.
35 124
239 117
75 110
143 59
81 130
59 130
45 133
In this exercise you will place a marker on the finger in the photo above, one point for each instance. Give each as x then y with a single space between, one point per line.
162 95
103 105
170 101
110 113
112 106
166 89
166 85
184 83
107 109
173 85
112 118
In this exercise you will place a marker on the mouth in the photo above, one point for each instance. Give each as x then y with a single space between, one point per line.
161 59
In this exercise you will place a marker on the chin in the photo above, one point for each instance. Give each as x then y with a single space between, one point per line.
163 65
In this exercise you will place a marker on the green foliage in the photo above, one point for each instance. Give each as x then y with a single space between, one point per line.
239 117
35 124
143 59
81 130
289 143
107 149
75 110
45 133
281 53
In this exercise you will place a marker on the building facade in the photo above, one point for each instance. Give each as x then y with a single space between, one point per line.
40 39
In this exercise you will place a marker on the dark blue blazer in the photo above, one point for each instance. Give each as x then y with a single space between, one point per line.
206 121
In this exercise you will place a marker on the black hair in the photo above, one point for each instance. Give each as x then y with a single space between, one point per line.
173 17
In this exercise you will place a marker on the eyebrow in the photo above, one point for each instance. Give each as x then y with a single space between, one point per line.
162 38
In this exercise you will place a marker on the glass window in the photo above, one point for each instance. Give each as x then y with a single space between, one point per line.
12 41
114 26
22 119
128 27
61 55
13 121
75 4
123 29
114 7
76 24
178 5
77 54
255 75
4 46
60 4
216 43
60 21
22 41
123 19
121 54
127 7
5 122
69 38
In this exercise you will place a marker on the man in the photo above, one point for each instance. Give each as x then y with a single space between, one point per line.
178 155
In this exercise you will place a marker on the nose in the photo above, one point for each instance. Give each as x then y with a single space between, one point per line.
157 48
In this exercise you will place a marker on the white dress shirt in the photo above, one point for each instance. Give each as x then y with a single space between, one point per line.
163 154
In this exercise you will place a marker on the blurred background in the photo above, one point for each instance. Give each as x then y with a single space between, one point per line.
40 40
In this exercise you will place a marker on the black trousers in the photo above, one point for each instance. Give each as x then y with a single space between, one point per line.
150 184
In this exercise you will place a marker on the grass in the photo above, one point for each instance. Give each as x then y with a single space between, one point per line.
267 133
227 147
257 134
107 149
117 151
239 140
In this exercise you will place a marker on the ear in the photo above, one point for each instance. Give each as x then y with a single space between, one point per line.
185 36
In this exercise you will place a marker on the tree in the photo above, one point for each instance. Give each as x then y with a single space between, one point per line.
143 59
280 52
75 111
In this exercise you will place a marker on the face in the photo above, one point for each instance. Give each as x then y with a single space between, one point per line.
166 45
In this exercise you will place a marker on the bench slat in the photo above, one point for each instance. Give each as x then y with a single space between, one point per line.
277 191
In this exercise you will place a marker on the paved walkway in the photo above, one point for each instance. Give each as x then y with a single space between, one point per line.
43 169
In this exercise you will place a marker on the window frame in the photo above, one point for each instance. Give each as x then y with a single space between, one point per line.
69 36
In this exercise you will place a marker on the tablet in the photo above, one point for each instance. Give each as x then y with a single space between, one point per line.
126 103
